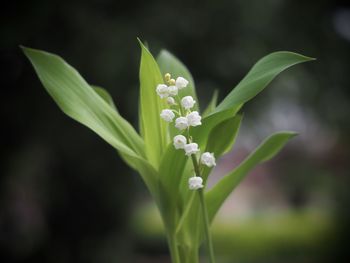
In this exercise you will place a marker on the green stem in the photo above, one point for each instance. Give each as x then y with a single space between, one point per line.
204 214
175 256
206 226
192 255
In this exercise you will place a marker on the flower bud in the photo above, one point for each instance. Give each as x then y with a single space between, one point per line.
172 82
167 115
208 159
167 77
170 101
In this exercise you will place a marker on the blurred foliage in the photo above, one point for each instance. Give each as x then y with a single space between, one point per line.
66 197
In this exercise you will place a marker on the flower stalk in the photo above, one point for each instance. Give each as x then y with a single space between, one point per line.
209 242
183 121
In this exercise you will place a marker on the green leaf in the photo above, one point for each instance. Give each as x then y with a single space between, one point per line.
105 96
171 171
168 63
201 133
261 74
223 136
212 104
265 151
153 128
79 101
221 139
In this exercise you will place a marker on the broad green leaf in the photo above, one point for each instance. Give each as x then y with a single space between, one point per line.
212 104
168 63
222 139
105 96
261 74
265 151
153 128
201 133
171 171
223 136
79 101
191 227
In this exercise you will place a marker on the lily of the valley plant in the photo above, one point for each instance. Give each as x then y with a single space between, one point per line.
177 144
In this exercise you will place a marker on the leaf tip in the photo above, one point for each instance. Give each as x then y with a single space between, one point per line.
144 46
288 134
310 58
25 49
306 58
293 134
30 52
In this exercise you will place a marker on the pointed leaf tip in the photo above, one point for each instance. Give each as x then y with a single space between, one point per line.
260 75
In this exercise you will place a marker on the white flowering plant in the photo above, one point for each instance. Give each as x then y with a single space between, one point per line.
177 144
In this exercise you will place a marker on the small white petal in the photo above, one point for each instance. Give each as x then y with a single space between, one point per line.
179 141
181 123
181 83
162 90
194 119
187 102
167 115
172 90
170 101
191 148
208 159
195 183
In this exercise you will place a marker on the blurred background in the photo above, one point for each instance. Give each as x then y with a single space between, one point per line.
65 195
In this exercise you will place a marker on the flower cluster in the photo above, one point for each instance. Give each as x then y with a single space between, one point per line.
180 110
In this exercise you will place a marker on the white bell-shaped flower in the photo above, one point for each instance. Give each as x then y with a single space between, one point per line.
170 101
167 115
162 90
191 148
181 83
187 102
194 119
181 123
173 90
208 159
179 141
195 183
